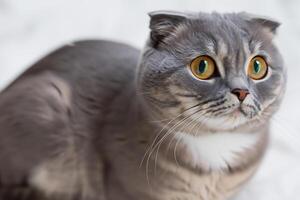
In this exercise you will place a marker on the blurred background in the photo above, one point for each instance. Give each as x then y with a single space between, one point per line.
30 29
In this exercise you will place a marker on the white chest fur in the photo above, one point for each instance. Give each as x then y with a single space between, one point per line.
217 151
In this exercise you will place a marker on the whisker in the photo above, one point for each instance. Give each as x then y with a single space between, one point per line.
201 123
178 140
172 120
164 127
154 146
156 143
169 132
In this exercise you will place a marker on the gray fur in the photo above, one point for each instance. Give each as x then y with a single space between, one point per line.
79 123
230 39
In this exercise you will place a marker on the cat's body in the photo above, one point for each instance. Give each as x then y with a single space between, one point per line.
77 125
75 121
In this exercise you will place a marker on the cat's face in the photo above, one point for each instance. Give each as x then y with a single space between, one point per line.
222 71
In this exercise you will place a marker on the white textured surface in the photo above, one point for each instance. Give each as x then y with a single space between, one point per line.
29 29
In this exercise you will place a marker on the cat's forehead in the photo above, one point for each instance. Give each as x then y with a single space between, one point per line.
220 34
232 39
226 37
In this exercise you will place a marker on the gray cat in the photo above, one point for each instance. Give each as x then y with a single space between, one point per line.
186 119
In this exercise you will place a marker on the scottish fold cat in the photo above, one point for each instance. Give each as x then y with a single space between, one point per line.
186 118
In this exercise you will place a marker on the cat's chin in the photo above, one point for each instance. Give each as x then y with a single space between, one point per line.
230 121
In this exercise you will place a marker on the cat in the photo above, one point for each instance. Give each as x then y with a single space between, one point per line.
186 118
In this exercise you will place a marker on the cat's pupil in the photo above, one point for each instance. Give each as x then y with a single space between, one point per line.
202 66
256 66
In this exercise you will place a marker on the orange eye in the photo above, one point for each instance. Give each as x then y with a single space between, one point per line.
257 68
203 67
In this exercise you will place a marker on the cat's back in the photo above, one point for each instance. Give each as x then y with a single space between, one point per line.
81 61
88 76
52 111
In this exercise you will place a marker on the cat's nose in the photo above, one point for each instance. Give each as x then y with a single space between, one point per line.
240 93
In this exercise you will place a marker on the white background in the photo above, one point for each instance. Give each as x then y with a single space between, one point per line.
30 29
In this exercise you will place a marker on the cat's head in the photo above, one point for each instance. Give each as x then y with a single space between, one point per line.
219 70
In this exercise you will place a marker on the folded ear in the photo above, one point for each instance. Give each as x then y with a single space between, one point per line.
268 23
163 23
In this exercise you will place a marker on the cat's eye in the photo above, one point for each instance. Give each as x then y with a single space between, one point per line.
257 68
203 67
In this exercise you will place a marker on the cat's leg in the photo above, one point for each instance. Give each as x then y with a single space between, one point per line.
39 150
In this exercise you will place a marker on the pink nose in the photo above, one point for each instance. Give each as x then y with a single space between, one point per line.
240 93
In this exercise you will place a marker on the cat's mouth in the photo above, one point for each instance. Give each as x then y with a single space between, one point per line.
236 112
230 114
243 110
230 118
239 110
